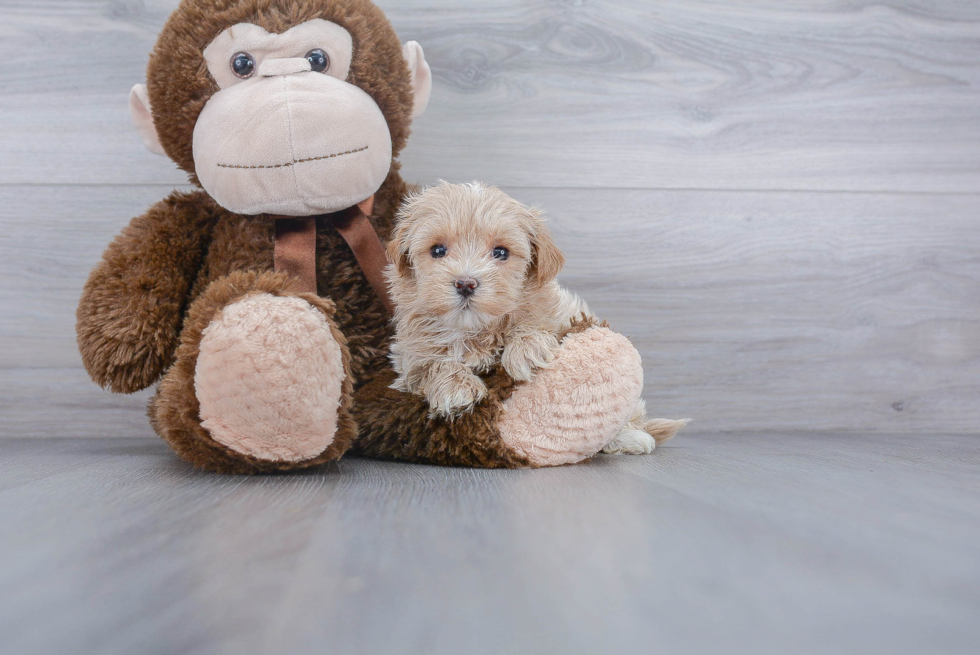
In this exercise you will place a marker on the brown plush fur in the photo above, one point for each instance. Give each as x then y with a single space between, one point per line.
185 249
396 425
130 312
174 411
164 276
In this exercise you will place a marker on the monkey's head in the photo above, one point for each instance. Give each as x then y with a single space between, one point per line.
291 107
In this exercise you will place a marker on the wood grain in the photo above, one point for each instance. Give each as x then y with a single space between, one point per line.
763 309
697 94
752 311
56 403
757 310
801 543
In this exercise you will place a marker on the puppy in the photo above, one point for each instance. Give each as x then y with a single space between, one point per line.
472 276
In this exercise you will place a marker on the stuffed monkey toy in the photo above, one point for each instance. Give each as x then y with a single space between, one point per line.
256 300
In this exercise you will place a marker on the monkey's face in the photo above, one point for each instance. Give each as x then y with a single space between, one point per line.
281 108
286 133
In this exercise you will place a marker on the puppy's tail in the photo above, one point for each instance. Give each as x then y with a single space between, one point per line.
664 429
661 429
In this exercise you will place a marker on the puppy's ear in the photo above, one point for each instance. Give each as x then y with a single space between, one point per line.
546 259
398 249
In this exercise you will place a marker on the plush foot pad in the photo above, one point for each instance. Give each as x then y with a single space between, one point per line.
269 378
577 405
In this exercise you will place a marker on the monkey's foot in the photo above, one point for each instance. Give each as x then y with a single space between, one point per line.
578 404
269 378
260 382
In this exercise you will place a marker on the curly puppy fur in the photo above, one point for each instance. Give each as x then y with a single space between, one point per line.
509 310
395 425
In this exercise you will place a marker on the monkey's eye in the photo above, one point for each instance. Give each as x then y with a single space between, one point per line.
319 60
438 251
500 253
243 65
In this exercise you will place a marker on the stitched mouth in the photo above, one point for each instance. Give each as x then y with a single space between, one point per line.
297 161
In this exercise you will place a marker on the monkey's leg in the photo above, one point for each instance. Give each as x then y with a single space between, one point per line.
565 414
261 380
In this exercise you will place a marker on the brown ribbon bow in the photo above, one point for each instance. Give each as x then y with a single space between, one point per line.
295 249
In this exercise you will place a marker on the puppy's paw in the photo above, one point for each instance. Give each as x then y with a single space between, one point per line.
523 354
631 442
454 393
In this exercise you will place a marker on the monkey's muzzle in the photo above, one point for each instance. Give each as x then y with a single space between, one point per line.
291 142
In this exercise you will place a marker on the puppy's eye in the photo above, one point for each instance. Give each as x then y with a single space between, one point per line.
437 251
500 253
243 65
319 60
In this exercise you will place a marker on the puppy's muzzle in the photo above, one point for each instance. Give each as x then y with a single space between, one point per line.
466 286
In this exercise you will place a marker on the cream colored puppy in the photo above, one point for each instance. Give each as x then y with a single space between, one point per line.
472 276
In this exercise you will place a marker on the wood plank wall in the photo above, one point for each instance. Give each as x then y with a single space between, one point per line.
778 202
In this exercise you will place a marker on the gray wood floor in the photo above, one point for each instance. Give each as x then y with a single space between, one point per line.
721 543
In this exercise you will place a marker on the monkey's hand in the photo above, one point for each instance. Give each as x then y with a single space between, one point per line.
452 389
129 316
528 351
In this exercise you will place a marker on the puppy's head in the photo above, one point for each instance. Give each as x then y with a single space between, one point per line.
469 250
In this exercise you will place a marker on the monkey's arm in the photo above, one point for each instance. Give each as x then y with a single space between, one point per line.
129 316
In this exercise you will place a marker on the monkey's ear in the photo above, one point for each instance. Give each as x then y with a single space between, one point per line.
398 251
546 259
421 76
139 111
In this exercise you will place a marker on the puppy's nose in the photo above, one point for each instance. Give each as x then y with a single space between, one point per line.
466 286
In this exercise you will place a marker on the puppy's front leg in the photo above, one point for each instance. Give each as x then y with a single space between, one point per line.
526 351
451 388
